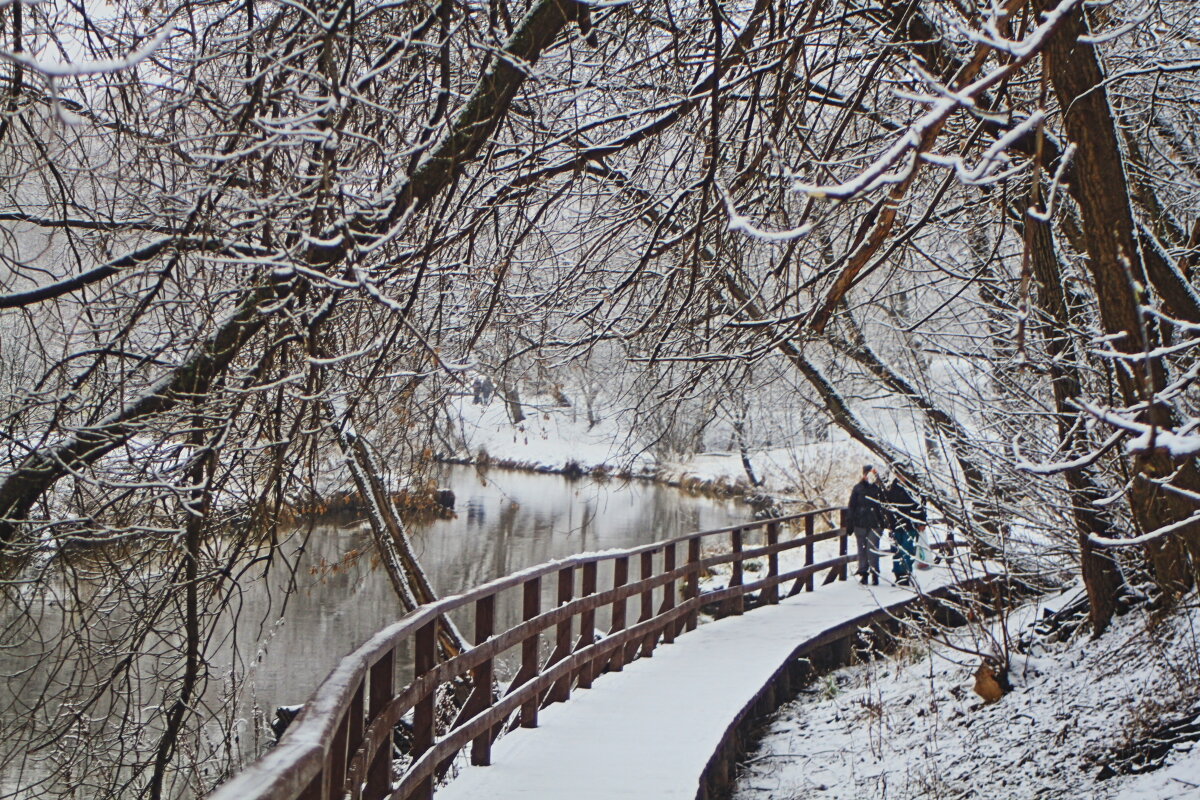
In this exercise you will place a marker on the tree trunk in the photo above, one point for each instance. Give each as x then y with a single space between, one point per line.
409 581
1101 574
739 435
1119 278
512 401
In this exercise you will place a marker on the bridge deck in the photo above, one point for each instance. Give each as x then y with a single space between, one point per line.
649 731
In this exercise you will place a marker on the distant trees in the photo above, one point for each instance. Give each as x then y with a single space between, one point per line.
237 233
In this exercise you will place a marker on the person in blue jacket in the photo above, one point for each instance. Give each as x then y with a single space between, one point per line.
906 518
866 517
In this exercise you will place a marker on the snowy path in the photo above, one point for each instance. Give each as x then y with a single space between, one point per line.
649 731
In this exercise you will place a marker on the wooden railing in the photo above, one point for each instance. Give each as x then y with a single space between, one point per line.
342 742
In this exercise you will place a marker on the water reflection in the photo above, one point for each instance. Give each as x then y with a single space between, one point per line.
510 520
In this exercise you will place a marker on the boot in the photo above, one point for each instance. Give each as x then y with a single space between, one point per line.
874 578
863 579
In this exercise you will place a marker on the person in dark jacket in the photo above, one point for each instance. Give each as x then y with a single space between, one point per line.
906 518
865 516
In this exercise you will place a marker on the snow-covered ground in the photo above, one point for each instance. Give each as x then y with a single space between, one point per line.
550 436
911 726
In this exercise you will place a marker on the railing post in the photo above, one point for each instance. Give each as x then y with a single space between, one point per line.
843 544
481 679
771 593
560 692
424 661
354 728
620 578
337 756
529 650
668 602
693 582
737 604
587 626
318 788
809 552
651 639
382 691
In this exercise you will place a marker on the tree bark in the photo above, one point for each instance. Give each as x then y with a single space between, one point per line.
411 584
1119 279
1101 574
512 400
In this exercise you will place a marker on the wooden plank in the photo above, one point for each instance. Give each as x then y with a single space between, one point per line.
482 676
843 543
737 603
772 536
529 650
809 549
560 692
317 788
338 757
651 640
693 581
354 737
668 602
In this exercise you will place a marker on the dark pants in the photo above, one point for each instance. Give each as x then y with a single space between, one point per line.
868 550
906 550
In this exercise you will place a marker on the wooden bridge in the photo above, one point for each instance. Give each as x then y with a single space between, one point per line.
341 745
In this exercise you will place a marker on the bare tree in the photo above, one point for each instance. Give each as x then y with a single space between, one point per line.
239 237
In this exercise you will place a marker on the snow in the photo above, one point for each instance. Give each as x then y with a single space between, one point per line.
551 437
650 730
911 727
1178 781
1178 446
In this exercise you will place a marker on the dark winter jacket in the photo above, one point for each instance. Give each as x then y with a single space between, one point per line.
903 510
865 509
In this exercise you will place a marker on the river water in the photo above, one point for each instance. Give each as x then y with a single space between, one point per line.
325 593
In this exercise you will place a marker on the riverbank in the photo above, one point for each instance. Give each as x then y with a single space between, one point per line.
558 439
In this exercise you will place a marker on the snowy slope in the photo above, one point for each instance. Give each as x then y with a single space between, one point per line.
913 728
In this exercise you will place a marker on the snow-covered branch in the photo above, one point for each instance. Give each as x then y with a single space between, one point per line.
58 70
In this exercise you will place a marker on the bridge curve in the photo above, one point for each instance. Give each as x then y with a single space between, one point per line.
341 744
